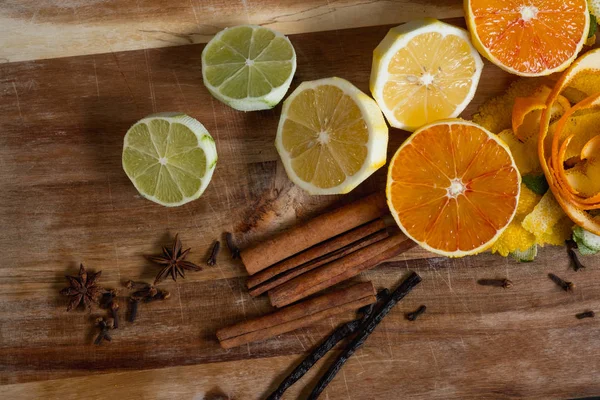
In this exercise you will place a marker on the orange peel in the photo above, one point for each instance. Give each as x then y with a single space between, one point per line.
558 156
574 205
527 112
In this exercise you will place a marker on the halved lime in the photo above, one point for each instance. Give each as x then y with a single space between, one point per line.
248 67
169 157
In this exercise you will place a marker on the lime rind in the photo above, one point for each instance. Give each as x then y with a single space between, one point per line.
166 171
230 62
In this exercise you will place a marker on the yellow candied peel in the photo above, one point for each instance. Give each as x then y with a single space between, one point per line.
536 222
496 114
544 215
560 232
594 7
515 237
524 153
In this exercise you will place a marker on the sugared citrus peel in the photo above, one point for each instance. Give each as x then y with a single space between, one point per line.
571 197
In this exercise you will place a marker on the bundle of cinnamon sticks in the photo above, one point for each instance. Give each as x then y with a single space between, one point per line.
299 315
313 256
323 251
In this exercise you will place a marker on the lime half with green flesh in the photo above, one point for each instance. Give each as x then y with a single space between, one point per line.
169 158
248 67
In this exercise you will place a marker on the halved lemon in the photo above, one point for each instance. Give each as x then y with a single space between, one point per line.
331 136
423 71
169 158
248 67
453 187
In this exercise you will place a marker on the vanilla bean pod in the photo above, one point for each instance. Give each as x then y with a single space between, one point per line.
338 335
366 328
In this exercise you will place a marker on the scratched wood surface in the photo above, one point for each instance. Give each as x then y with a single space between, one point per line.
66 200
36 29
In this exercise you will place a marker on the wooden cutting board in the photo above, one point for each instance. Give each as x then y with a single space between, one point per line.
64 199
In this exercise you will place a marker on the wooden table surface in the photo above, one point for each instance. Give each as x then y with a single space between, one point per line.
79 73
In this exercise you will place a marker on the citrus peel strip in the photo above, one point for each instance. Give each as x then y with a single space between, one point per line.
589 63
558 157
527 112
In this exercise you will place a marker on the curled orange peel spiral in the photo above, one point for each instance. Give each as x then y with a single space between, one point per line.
570 200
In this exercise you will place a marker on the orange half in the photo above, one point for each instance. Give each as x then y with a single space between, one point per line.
453 187
528 37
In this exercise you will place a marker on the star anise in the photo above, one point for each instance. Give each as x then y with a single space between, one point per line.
173 262
83 289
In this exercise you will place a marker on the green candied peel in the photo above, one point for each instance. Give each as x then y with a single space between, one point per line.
536 183
527 255
593 25
587 242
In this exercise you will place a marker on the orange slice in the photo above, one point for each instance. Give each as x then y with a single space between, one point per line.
453 187
528 37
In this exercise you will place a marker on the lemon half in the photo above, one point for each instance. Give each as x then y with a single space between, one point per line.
331 136
424 71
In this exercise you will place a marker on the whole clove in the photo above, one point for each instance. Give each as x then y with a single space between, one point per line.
365 329
147 294
338 335
133 309
105 324
571 246
503 283
143 290
565 285
212 259
114 311
233 249
160 295
136 285
150 291
411 316
107 298
585 314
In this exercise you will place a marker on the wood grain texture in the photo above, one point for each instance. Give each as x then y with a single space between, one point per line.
65 200
38 29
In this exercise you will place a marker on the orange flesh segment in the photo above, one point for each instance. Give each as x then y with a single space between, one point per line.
530 36
453 187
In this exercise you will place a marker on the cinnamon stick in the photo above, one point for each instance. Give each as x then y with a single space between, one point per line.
298 315
313 232
316 256
339 270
